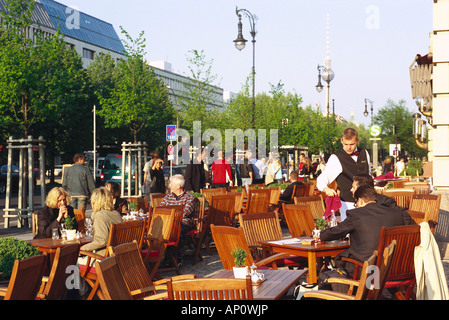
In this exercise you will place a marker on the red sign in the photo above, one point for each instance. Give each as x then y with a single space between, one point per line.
170 149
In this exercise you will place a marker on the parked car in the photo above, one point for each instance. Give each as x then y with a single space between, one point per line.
99 167
57 171
112 170
14 178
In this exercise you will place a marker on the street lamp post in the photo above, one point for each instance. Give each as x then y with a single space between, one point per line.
375 152
366 109
177 122
327 75
240 44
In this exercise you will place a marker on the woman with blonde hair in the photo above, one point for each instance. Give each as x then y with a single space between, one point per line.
55 210
102 217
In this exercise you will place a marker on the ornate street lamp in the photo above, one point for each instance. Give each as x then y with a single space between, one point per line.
240 44
366 109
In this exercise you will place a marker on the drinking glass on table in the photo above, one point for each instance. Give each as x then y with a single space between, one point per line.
63 232
55 234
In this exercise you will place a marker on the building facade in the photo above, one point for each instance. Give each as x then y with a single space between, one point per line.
87 35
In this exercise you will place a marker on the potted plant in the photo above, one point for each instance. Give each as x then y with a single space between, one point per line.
133 207
240 268
12 249
70 226
321 224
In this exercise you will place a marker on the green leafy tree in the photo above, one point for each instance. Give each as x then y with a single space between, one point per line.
198 101
397 114
139 100
43 88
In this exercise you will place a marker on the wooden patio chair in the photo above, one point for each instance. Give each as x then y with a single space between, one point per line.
266 226
54 286
134 272
26 278
258 201
239 196
228 239
421 189
156 199
401 196
119 233
316 204
207 193
143 204
257 227
430 205
299 219
417 216
111 281
256 186
157 238
171 252
298 191
238 189
210 289
195 235
310 188
221 212
402 272
365 290
80 216
274 197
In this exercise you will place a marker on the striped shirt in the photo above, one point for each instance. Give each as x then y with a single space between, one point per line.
186 200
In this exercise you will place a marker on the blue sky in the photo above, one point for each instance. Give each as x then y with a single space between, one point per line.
372 43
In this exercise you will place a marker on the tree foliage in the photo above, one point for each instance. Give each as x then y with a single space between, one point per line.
133 97
396 113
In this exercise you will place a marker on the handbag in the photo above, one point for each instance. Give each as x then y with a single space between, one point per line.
298 293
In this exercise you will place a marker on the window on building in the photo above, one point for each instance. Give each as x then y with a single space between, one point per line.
88 54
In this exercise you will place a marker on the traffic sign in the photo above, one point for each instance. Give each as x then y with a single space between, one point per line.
375 130
170 149
171 133
395 149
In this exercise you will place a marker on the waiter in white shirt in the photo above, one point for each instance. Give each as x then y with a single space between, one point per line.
342 166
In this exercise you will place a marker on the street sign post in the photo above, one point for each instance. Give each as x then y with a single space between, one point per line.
171 136
375 132
171 132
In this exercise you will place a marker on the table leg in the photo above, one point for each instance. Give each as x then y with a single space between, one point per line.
312 276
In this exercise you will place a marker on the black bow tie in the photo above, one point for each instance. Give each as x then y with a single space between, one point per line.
355 153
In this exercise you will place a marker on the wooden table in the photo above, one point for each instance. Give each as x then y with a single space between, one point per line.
311 252
50 246
275 285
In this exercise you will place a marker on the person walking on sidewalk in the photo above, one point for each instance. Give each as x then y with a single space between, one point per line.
79 182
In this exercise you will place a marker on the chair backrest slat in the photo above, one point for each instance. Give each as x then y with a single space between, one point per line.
299 219
210 289
126 232
26 278
221 209
55 288
316 204
258 201
228 239
407 238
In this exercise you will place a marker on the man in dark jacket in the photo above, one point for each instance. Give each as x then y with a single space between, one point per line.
363 225
79 182
366 179
286 196
195 178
